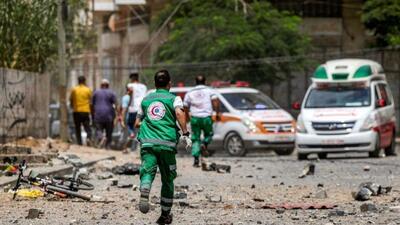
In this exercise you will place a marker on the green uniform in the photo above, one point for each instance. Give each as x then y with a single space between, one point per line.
199 124
159 136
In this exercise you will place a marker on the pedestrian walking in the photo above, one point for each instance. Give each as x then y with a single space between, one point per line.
199 104
159 136
104 104
127 119
80 102
139 91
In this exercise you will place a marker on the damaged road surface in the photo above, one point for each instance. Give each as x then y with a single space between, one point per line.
265 189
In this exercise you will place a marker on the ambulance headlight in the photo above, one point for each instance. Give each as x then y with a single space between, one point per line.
300 127
250 125
369 123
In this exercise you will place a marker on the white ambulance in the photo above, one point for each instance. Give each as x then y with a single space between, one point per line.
249 120
347 108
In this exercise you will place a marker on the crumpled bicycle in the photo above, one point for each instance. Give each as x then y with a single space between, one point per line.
59 186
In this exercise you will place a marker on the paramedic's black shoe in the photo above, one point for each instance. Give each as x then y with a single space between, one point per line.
196 162
144 205
165 219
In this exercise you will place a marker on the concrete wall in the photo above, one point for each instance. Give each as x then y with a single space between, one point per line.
24 104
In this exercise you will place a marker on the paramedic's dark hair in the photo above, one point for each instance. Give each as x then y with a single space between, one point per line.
200 79
162 79
134 76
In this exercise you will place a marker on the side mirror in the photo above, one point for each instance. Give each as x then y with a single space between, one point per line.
296 106
381 103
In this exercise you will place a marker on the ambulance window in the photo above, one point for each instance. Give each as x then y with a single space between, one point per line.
383 93
222 107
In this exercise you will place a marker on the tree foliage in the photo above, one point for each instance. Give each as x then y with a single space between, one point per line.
218 30
28 34
382 17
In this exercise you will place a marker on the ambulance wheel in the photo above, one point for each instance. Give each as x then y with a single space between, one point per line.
302 156
391 149
284 151
377 150
234 145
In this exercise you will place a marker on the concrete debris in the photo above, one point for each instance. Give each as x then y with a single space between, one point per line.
105 175
219 168
124 184
126 169
395 209
155 200
71 158
368 189
183 204
363 194
367 168
182 188
368 207
321 194
34 213
214 198
280 211
308 170
336 212
83 173
180 195
114 182
258 200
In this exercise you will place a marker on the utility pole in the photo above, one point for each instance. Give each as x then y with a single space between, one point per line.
62 77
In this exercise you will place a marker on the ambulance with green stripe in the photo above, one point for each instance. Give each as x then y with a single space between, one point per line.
347 108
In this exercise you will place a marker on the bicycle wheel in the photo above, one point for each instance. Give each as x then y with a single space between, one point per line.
70 184
67 192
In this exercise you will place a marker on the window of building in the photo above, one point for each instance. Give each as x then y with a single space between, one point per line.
311 8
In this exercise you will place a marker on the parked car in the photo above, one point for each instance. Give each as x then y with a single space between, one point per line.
347 108
249 120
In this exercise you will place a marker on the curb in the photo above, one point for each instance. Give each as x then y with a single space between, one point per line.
60 170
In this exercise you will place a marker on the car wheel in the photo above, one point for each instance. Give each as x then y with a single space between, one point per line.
302 156
322 155
391 150
286 151
234 145
377 150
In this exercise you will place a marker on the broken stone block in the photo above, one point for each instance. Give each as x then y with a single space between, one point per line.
336 212
321 194
367 168
34 213
373 187
124 184
214 198
180 195
368 207
105 175
363 194
308 170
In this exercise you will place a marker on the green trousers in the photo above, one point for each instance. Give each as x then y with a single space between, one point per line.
166 162
198 125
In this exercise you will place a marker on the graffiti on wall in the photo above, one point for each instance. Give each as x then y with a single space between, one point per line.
12 104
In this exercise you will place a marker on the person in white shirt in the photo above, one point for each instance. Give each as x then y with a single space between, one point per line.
139 91
200 102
